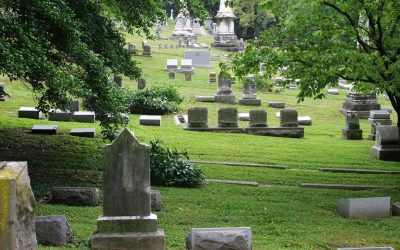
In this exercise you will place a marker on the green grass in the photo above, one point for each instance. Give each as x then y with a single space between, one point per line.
280 218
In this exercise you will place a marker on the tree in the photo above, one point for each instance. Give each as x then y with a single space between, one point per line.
67 49
319 41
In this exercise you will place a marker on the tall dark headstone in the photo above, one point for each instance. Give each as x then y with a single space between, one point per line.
361 104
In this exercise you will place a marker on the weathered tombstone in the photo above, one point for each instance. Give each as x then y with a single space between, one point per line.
44 129
59 115
333 91
118 80
146 49
17 204
200 58
387 143
74 106
172 65
224 92
361 104
276 105
377 207
213 77
250 92
188 76
352 129
127 220
227 117
378 117
29 112
219 238
198 117
289 118
171 75
258 118
2 89
84 116
77 196
186 65
244 116
155 200
150 120
141 83
83 132
304 120
53 230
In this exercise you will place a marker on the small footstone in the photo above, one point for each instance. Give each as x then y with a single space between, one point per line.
29 112
44 129
59 115
155 200
200 98
150 120
219 238
76 196
84 116
276 105
304 120
244 116
83 132
367 248
53 230
378 207
333 91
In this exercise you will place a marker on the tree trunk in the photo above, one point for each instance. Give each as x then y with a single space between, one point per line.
395 100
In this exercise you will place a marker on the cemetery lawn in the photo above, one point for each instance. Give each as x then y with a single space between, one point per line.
284 217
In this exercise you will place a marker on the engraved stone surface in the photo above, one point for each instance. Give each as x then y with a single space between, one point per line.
258 118
387 146
224 92
198 117
289 118
352 129
227 117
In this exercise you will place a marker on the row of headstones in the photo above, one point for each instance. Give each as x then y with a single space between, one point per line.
386 136
228 117
59 115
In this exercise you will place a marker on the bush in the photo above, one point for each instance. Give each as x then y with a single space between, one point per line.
263 84
154 100
167 167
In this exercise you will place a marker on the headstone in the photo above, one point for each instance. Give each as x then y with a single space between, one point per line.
17 204
141 83
83 132
132 48
188 76
59 115
150 120
396 209
227 117
205 98
333 91
387 143
29 112
76 196
2 90
250 92
171 17
198 30
352 129
200 58
183 28
244 116
224 37
84 116
198 117
53 230
171 75
224 92
44 129
276 105
172 65
258 118
127 219
213 77
378 207
361 104
289 118
186 65
304 121
155 200
378 117
146 49
118 80
74 106
219 238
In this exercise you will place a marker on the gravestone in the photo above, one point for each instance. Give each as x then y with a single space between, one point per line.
227 117
333 91
238 238
198 117
377 207
224 36
244 116
378 117
150 120
352 129
213 77
361 104
258 118
83 132
276 105
44 129
59 115
172 65
17 204
74 106
127 220
289 118
155 200
2 89
132 48
200 58
29 112
118 80
224 92
84 116
76 196
250 92
141 83
53 230
387 143
304 120
396 209
146 49
188 76
200 98
186 65
171 75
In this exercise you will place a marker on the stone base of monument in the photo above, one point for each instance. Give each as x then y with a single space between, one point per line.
230 99
352 134
200 98
386 153
361 114
290 132
128 232
250 102
226 42
215 129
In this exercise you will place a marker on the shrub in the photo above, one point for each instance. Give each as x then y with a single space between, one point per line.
263 84
169 169
154 100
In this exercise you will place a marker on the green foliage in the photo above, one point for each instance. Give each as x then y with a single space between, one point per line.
263 84
155 100
169 169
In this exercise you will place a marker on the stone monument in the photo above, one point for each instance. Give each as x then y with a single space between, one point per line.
172 15
249 92
198 29
127 221
378 117
183 27
258 118
17 204
289 118
352 130
224 92
227 117
361 104
387 143
198 117
224 37
146 49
